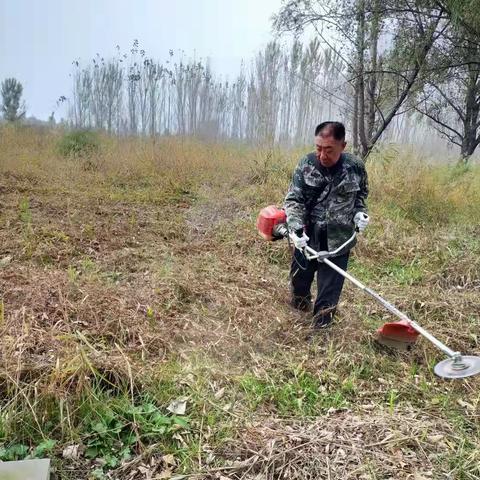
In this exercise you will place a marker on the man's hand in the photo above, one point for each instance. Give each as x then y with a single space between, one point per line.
361 221
299 242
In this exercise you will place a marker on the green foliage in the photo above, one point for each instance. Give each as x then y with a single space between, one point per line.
12 107
79 144
25 212
410 274
464 13
25 215
364 272
44 448
298 392
117 427
16 451
19 451
459 171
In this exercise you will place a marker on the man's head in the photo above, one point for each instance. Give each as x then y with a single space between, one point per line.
329 142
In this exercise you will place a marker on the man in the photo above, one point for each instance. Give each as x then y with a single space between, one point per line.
324 203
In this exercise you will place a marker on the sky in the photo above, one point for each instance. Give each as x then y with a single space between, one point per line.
39 39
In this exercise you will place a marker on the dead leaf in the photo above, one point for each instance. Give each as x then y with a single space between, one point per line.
422 476
5 261
189 379
178 406
169 459
466 405
72 452
210 458
164 475
220 393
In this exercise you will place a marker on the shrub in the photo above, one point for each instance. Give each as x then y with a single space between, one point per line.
79 144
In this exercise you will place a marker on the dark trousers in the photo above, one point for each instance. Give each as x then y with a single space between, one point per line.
329 284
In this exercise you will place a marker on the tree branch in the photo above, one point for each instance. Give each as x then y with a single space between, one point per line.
439 122
449 101
411 81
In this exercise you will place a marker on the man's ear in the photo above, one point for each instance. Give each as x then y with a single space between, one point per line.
344 145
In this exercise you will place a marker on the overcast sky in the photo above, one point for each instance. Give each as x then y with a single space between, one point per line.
39 39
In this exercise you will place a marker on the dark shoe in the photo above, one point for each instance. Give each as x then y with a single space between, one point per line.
323 322
324 318
304 304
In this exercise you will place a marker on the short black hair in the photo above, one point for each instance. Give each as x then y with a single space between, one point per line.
335 129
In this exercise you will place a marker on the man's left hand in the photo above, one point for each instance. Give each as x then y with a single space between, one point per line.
361 221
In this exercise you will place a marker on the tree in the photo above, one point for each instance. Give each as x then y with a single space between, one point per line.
381 80
451 97
13 108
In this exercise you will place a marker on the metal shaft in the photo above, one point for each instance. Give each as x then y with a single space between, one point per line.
391 308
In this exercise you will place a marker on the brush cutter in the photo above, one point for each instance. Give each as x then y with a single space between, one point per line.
271 224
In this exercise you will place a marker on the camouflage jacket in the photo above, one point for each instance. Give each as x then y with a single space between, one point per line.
325 200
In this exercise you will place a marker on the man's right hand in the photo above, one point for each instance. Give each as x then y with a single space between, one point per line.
300 242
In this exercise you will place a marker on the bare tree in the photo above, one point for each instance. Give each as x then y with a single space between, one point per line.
80 107
280 97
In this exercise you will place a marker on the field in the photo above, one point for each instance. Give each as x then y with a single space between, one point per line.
146 332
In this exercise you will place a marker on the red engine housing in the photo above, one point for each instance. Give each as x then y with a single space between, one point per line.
267 219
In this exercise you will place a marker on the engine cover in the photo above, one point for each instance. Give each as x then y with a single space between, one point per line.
268 218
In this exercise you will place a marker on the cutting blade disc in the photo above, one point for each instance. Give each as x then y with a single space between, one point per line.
469 366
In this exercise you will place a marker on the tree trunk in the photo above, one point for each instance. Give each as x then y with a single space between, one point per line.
372 83
361 77
355 119
472 110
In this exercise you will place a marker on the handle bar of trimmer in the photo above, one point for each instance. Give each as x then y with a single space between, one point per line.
282 231
312 254
309 252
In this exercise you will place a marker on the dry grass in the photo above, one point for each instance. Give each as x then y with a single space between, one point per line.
368 443
141 275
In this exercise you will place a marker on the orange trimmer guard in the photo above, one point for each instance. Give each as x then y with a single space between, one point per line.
397 334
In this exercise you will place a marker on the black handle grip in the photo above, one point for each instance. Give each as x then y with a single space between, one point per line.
280 231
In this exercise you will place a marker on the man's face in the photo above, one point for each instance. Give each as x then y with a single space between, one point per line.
328 150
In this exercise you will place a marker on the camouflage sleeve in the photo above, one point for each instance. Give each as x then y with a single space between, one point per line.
294 203
360 200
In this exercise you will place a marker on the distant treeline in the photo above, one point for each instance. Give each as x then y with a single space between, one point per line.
278 98
281 98
389 69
